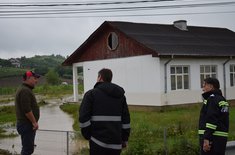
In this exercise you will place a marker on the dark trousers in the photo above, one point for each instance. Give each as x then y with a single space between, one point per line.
218 146
98 150
27 137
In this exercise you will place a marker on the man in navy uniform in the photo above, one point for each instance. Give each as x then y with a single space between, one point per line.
104 116
214 119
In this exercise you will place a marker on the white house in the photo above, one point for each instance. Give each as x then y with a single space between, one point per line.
157 64
15 62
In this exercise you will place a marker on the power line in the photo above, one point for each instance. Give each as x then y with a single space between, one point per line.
124 15
112 9
80 4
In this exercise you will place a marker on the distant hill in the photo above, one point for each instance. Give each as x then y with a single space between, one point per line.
40 64
50 61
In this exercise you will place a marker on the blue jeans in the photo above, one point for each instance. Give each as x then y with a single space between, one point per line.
27 137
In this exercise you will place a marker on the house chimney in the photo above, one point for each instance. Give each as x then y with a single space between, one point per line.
181 24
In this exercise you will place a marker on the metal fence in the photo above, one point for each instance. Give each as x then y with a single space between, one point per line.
50 142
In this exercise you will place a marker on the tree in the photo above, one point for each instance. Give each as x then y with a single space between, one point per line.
52 77
42 70
5 63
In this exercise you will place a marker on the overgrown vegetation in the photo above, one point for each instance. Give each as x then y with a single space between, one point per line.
7 116
46 90
4 152
7 90
147 130
53 90
52 77
40 64
72 109
11 71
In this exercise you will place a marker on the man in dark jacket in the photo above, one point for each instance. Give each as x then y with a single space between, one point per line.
104 116
27 112
214 119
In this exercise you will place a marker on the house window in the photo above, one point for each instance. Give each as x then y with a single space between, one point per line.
179 77
232 75
207 71
112 41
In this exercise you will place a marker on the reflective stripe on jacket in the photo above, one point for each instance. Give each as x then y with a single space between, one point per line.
104 116
214 116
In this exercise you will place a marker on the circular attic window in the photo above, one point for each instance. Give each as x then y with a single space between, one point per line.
112 41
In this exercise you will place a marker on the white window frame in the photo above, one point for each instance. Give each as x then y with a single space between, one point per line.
179 75
207 71
232 75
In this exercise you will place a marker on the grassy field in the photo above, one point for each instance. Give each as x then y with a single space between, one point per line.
45 90
147 133
7 116
11 71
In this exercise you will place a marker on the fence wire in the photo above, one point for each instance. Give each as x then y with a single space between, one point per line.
55 142
50 142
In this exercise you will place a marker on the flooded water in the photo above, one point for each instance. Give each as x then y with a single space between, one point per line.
52 118
55 132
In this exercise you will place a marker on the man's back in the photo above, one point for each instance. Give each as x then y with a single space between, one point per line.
104 116
107 111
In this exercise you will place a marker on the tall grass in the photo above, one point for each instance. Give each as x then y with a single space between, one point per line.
7 116
50 90
53 90
11 71
7 90
72 109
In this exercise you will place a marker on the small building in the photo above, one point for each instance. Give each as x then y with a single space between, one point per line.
158 64
15 62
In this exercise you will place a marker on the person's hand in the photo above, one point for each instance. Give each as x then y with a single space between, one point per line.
35 126
206 145
124 144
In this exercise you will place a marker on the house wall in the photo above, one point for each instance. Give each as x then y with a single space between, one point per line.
230 92
142 77
193 94
139 76
98 48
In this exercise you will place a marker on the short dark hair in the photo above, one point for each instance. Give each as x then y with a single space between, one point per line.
106 74
213 81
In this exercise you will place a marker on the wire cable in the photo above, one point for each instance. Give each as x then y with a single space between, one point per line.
113 9
124 15
80 4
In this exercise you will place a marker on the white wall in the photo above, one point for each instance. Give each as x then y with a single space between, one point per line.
142 77
230 92
193 94
139 76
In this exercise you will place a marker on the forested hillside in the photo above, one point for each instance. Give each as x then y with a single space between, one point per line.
40 64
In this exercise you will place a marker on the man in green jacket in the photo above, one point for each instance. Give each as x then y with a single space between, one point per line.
27 112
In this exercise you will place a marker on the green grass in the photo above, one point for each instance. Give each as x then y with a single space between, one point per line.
147 130
7 116
46 90
7 90
53 90
11 71
4 152
72 109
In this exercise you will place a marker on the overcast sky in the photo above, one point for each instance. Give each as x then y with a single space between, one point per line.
46 36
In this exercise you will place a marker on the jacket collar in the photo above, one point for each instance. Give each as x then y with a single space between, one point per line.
206 95
27 85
